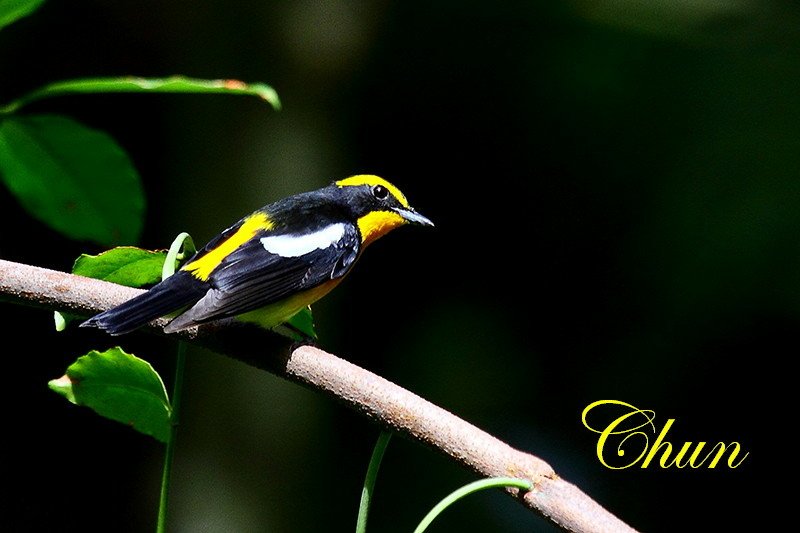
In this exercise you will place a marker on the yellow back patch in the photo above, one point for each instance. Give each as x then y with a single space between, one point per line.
369 179
202 267
376 224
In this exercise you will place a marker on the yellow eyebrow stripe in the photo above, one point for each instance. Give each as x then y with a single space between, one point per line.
369 179
202 267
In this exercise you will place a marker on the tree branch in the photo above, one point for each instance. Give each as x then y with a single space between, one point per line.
378 399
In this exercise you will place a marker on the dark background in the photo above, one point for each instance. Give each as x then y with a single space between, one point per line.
616 195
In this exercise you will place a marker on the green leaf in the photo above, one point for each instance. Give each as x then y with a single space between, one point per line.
121 387
73 178
124 265
173 84
12 10
301 326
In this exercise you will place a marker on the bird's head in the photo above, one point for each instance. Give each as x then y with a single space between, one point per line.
378 206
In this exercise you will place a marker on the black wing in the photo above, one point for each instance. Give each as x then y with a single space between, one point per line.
251 278
172 294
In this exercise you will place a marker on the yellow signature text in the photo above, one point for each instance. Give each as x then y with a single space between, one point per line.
625 441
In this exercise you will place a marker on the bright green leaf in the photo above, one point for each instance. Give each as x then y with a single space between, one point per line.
124 265
121 387
12 10
73 178
173 84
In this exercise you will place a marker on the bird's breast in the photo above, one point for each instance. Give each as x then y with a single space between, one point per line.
277 313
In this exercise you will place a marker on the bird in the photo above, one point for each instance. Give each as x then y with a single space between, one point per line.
273 263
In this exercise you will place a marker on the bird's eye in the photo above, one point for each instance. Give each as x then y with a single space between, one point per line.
380 192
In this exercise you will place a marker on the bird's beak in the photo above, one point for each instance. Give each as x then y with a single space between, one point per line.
413 217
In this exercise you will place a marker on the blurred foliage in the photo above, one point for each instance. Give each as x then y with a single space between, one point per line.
615 192
73 178
12 10
78 180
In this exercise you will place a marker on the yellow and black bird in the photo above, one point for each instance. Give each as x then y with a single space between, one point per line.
275 262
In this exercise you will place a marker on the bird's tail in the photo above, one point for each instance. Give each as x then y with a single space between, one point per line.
172 294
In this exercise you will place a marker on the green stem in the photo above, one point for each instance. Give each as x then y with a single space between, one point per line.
177 390
469 489
181 246
369 481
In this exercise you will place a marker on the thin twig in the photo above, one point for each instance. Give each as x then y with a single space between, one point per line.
377 398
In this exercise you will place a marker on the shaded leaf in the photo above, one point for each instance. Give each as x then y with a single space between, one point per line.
130 84
124 265
71 177
12 10
302 322
121 387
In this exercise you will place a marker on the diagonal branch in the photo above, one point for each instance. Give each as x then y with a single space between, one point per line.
380 400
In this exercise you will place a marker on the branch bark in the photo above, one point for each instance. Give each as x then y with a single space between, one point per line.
377 398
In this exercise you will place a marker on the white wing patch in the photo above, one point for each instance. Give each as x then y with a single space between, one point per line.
293 245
